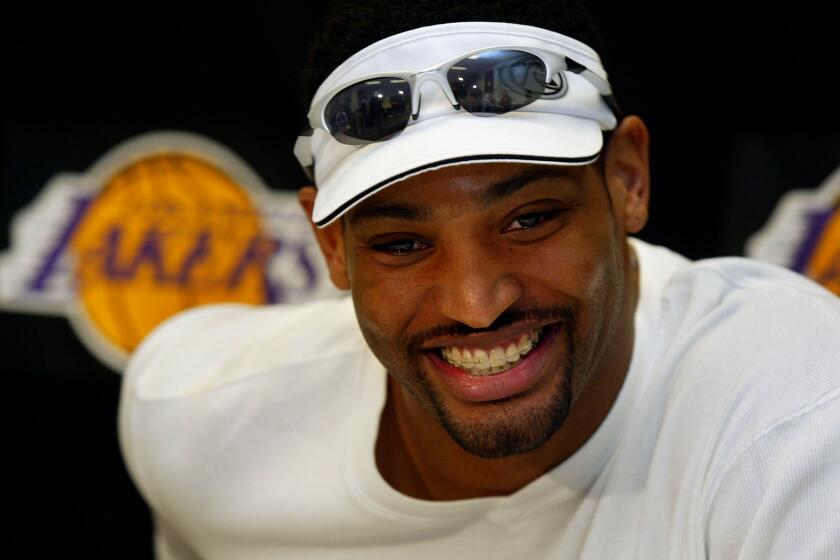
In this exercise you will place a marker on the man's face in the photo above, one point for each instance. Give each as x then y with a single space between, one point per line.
492 292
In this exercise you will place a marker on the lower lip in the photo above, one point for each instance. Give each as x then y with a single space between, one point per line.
482 388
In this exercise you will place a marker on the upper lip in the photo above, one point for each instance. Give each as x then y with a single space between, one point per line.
485 339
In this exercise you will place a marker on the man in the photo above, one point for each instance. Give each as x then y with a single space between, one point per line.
512 376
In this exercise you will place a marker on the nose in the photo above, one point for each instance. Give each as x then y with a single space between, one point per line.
475 286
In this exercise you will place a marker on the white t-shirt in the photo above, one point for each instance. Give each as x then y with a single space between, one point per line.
250 431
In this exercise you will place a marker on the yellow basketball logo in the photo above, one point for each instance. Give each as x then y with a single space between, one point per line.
166 233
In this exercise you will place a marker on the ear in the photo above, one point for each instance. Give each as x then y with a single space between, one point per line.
627 172
330 239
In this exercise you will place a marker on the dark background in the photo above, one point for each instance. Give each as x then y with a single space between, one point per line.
741 107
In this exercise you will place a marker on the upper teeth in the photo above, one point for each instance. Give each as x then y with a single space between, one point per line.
481 361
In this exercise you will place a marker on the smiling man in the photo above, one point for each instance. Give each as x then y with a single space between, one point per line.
513 375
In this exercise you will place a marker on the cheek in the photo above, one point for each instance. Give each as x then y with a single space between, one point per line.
576 264
583 267
385 303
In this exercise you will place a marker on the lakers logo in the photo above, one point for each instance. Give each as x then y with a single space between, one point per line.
167 233
162 223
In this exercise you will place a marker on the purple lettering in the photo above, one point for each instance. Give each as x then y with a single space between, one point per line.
256 253
198 253
149 251
39 282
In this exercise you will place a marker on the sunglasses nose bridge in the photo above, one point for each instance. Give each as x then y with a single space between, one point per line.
436 77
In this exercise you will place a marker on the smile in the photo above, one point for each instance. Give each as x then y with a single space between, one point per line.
482 372
496 359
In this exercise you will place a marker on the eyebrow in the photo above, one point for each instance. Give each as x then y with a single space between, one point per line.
391 210
508 187
495 193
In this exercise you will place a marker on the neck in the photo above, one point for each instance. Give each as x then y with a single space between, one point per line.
418 458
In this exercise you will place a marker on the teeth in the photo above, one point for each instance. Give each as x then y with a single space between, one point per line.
525 343
479 361
468 359
497 357
512 353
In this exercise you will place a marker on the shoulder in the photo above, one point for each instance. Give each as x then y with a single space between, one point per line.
745 396
754 301
739 274
721 280
739 345
730 321
746 347
224 384
733 300
219 344
758 319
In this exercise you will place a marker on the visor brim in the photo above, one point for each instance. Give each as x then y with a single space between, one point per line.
456 139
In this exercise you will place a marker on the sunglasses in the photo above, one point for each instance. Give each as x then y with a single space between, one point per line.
484 82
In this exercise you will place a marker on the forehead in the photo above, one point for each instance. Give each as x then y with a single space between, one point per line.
476 184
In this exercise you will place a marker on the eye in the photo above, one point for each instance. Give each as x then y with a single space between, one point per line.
531 220
400 247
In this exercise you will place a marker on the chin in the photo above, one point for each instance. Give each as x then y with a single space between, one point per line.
500 428
509 426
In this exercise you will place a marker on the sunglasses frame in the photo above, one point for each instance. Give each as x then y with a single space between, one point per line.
554 62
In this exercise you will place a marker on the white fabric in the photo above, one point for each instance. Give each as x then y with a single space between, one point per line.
251 431
562 131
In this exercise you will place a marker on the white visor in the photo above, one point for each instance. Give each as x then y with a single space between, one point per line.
565 130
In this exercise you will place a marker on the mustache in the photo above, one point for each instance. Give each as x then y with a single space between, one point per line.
566 314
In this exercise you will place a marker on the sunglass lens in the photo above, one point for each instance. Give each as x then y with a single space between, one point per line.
369 111
494 82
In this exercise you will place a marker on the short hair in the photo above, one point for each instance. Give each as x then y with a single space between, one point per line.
351 26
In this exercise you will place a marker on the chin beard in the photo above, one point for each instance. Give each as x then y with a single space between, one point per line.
506 427
505 432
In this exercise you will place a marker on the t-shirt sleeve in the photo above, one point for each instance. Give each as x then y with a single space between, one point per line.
781 497
160 371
